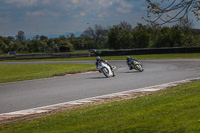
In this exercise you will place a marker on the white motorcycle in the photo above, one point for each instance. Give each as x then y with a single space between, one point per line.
105 69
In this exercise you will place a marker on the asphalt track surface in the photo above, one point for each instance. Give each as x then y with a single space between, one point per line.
23 95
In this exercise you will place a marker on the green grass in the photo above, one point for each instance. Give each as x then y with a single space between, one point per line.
175 109
12 73
140 57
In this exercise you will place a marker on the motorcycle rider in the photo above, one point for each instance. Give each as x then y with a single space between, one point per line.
99 60
130 62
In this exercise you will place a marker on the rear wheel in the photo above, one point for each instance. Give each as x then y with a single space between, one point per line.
139 68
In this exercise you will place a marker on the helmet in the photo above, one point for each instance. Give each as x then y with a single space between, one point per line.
128 58
98 58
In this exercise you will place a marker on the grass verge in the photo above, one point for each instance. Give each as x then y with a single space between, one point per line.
12 73
140 57
155 56
175 109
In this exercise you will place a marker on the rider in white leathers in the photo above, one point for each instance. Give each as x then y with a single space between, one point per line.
99 60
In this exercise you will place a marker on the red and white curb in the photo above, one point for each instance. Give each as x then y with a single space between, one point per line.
49 108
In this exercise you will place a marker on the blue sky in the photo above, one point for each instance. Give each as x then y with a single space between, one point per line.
43 17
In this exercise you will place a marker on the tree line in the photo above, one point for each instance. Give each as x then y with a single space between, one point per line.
121 36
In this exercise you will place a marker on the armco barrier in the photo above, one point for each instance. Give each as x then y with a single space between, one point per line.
7 57
42 56
146 51
33 56
71 54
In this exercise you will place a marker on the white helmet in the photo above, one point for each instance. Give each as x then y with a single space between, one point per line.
98 58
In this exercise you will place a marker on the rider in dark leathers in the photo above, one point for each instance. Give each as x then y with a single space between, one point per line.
130 62
98 60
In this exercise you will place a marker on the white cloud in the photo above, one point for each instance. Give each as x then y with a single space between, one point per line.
75 1
122 10
105 3
42 13
5 20
46 1
23 3
144 8
80 15
126 4
100 15
125 7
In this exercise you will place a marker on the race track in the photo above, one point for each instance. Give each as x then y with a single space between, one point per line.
36 93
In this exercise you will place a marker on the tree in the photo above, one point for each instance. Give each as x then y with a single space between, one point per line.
34 46
118 38
36 37
172 11
125 26
98 34
170 37
3 46
11 38
72 35
163 38
43 37
51 45
186 26
177 36
141 36
20 36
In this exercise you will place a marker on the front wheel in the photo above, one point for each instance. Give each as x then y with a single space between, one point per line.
105 71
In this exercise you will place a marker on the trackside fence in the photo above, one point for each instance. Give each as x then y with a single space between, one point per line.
44 56
144 51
